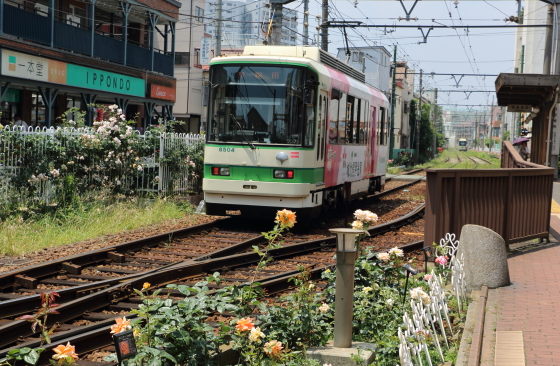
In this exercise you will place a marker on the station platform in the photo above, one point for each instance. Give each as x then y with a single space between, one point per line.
522 320
404 177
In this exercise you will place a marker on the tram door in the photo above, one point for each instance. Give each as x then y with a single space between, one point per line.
322 127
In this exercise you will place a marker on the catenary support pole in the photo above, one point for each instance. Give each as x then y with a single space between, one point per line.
548 42
435 120
276 37
490 126
218 47
419 122
393 99
305 22
324 26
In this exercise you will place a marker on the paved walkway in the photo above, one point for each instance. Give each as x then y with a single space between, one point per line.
530 305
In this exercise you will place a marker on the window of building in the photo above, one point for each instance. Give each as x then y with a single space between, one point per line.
182 58
357 56
199 12
38 111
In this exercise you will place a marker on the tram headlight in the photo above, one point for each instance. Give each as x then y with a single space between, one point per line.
283 174
220 171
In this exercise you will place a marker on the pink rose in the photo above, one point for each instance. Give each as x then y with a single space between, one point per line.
441 260
427 277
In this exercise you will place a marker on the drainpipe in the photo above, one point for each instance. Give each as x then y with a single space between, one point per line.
550 129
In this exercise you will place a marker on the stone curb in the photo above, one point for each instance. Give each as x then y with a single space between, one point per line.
478 331
467 332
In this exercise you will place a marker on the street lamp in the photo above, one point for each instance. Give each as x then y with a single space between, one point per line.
347 250
409 271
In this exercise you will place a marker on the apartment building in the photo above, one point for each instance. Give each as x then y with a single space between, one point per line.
70 53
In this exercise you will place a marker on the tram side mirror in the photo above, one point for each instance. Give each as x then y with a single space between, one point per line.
308 96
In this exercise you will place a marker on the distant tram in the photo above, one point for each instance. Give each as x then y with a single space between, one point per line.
462 144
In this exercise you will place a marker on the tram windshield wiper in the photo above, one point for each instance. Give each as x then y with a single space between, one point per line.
240 129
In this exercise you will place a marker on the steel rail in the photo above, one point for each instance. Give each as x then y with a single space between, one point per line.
27 304
10 332
44 269
92 337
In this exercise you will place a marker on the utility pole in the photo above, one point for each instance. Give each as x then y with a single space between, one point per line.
218 48
548 42
305 22
556 40
393 99
324 26
418 122
434 142
490 129
276 37
476 137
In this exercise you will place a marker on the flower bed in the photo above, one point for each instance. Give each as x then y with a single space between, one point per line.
49 168
407 314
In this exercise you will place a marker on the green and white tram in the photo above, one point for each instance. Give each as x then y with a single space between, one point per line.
291 127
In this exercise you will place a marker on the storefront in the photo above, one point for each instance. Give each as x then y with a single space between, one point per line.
40 89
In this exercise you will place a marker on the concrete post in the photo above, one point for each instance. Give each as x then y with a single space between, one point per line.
276 38
344 299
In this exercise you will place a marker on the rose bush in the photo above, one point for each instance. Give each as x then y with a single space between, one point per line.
58 168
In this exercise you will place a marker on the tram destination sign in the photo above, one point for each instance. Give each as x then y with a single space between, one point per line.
22 65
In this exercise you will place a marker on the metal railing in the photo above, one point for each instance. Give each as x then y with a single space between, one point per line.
37 28
515 203
512 159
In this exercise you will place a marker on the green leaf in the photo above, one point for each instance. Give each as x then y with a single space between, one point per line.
31 358
111 358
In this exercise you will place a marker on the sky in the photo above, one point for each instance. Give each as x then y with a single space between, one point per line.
450 51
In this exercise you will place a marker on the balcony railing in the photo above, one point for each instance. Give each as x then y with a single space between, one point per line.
37 28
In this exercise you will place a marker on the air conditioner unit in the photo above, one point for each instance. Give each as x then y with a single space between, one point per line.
42 10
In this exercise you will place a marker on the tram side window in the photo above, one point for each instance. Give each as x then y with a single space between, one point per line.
342 111
363 122
319 122
324 127
333 123
357 121
382 127
350 126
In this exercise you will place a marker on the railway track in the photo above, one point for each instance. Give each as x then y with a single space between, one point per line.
98 310
79 275
91 302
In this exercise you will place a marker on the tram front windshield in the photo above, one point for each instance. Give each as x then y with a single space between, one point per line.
261 104
462 143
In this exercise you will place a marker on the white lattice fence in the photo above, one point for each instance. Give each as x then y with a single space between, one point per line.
33 143
430 315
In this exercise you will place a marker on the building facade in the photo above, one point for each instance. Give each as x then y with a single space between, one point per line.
374 61
246 23
191 41
58 55
403 97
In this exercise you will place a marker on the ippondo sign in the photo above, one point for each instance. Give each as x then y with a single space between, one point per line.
162 92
